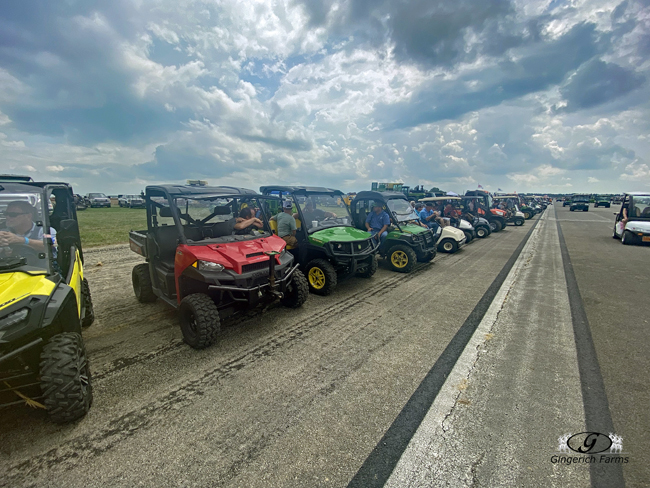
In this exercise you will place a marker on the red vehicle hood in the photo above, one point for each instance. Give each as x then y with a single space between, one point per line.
497 211
231 255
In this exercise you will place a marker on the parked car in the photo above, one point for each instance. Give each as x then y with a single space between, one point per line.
131 201
98 200
601 201
637 228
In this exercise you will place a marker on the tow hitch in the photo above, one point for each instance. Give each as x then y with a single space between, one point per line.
271 255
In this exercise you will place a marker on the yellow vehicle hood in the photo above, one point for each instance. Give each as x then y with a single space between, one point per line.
18 285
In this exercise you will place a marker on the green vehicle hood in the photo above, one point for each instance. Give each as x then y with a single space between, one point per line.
338 234
413 229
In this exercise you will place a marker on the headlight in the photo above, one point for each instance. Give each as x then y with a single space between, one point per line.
208 266
14 318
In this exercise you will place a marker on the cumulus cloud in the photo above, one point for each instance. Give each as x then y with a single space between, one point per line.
446 93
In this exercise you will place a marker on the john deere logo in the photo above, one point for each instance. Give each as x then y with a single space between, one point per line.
358 246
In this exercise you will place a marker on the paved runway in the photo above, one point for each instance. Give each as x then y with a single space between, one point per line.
463 373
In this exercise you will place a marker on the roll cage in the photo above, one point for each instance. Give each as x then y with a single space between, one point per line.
157 196
383 197
305 191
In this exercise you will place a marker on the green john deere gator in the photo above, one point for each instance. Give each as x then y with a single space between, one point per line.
407 241
329 246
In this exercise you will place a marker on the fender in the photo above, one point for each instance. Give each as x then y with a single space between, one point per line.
62 309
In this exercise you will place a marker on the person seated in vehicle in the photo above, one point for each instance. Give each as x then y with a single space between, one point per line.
312 213
377 222
21 228
247 222
430 217
287 224
451 212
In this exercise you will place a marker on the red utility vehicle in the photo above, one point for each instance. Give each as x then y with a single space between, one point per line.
201 262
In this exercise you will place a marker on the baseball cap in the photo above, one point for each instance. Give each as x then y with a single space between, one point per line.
429 204
287 204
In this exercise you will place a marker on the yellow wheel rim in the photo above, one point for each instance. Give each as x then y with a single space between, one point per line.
316 278
399 259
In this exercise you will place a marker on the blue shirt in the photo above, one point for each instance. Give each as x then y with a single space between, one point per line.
424 214
377 221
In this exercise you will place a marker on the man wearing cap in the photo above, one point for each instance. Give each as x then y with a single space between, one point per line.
21 228
428 216
287 224
378 221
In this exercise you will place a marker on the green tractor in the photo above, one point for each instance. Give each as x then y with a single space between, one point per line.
329 247
407 241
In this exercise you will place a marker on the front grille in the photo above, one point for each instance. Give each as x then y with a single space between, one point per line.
247 268
351 248
254 254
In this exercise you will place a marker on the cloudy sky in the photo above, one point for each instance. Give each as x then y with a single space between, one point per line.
526 95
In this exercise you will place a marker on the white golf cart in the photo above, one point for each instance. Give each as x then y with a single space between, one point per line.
637 228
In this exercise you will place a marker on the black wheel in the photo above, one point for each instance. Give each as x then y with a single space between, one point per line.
571 209
401 258
482 232
426 257
614 233
519 221
448 245
499 226
321 276
297 291
627 238
586 210
87 309
468 236
371 269
65 378
142 284
200 322
528 215
493 226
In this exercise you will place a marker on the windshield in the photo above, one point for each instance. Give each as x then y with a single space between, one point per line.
215 218
23 240
402 209
580 198
324 210
641 207
96 195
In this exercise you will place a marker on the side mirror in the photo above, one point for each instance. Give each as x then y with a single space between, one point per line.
165 212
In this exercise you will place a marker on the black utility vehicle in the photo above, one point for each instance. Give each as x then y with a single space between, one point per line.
200 262
479 202
44 301
601 201
580 202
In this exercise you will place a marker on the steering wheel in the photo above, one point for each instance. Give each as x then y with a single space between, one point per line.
23 250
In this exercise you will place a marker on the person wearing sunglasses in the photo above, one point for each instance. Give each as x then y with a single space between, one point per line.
21 228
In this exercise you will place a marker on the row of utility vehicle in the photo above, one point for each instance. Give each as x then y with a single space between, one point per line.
200 260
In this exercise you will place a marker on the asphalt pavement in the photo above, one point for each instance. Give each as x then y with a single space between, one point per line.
305 397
